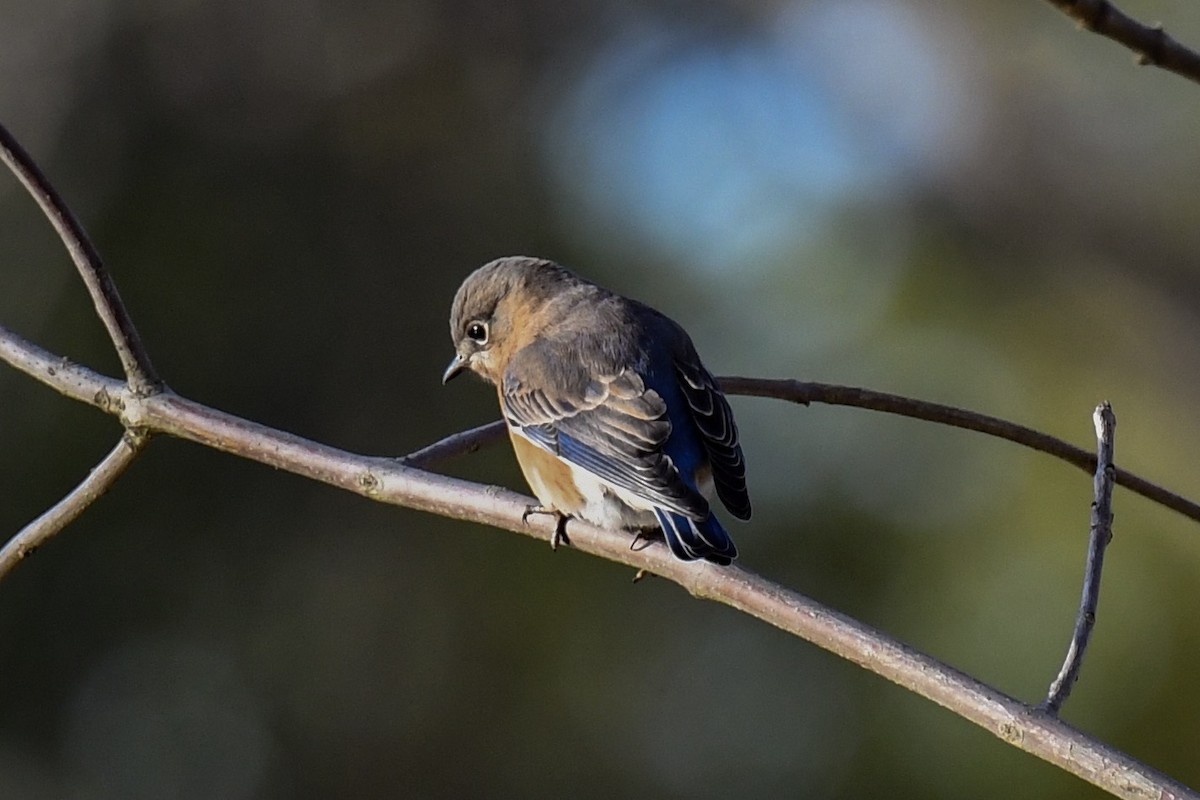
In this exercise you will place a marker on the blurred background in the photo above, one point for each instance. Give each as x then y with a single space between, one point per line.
969 202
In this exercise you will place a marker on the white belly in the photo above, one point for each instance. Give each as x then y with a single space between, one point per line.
610 507
590 498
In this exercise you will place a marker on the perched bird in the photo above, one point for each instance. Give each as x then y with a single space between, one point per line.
611 414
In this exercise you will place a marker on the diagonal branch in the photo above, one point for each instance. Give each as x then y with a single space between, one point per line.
832 394
65 511
1150 42
392 481
1100 536
80 383
457 444
135 361
64 376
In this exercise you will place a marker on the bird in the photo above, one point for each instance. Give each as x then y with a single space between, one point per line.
612 416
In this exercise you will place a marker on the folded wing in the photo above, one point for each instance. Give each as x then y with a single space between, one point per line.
611 425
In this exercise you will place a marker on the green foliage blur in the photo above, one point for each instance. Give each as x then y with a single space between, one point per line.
969 202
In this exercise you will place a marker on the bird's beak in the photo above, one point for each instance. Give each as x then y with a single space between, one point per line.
456 366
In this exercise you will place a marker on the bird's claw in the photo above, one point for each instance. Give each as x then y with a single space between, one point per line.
560 528
641 540
531 510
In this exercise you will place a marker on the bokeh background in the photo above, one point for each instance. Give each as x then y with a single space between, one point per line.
969 202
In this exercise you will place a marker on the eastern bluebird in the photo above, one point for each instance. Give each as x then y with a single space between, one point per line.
611 414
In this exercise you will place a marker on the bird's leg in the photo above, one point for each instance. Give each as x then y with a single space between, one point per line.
560 528
560 533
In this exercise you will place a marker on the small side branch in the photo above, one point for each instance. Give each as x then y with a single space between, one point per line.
804 392
1101 535
64 376
135 361
456 444
64 512
1150 42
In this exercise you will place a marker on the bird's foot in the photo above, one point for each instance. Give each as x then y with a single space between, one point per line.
644 538
560 528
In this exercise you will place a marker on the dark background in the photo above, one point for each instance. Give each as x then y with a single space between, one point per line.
968 202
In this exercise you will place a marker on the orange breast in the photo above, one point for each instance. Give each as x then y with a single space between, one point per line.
549 478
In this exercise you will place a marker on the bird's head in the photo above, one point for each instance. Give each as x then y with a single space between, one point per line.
494 313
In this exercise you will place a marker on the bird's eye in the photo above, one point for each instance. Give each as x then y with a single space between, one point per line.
478 332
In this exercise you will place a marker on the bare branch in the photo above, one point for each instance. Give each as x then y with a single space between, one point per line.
80 383
65 377
831 394
1017 724
135 361
1100 536
457 444
392 481
64 512
1150 42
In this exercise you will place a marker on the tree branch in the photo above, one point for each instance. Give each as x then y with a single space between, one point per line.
457 444
832 394
1150 42
80 383
1099 537
135 361
1026 728
392 481
65 511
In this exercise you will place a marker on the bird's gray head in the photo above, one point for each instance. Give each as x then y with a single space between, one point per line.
494 312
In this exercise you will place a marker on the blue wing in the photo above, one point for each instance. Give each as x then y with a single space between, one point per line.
718 432
611 425
689 539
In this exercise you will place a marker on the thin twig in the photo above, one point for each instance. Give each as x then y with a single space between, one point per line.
1150 43
832 394
135 361
1098 539
456 444
65 511
63 375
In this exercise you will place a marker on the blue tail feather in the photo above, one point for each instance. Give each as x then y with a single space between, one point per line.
690 540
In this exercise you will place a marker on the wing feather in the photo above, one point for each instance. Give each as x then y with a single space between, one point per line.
714 420
612 425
